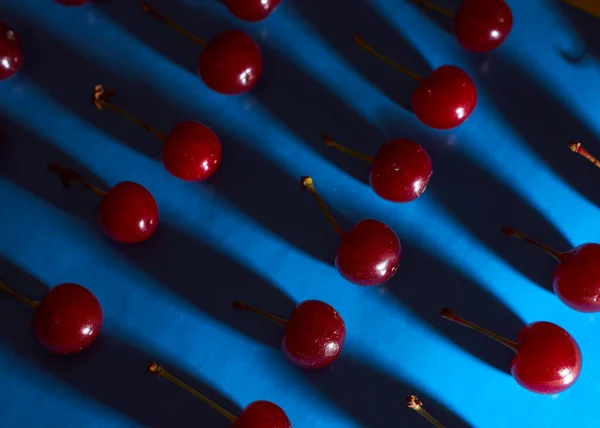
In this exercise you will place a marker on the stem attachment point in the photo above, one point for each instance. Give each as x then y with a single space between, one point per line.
306 183
414 403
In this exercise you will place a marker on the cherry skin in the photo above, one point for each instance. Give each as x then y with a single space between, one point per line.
548 360
128 213
482 26
576 280
262 414
400 171
11 53
445 99
314 335
369 254
231 63
251 10
68 319
192 152
72 2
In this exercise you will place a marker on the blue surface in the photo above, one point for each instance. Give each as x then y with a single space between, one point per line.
251 234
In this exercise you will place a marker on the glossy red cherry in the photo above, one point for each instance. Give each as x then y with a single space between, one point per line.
231 63
576 280
11 53
482 26
414 403
399 173
191 152
314 334
258 414
72 2
127 213
548 359
251 10
67 320
369 254
444 100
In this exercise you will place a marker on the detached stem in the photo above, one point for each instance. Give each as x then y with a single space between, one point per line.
150 10
447 313
244 307
329 142
307 184
102 99
578 148
361 43
6 289
509 231
415 404
160 372
68 176
435 8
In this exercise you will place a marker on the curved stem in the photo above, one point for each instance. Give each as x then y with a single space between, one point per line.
6 289
102 99
360 42
150 10
589 7
451 316
509 231
68 176
435 8
244 307
329 142
307 184
578 148
160 372
415 404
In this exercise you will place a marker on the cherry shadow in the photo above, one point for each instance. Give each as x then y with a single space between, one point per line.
360 18
74 85
211 281
376 399
111 371
587 27
427 284
542 120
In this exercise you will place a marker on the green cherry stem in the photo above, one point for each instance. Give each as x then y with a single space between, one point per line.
415 404
331 143
6 289
244 307
306 183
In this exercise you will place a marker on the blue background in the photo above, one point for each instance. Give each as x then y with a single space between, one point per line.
250 233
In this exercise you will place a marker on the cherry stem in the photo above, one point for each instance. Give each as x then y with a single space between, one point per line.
435 8
330 143
68 175
244 307
578 148
306 183
150 10
361 43
416 404
6 289
160 372
510 232
102 100
451 316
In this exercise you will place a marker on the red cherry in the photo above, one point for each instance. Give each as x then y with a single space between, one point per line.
72 2
314 334
443 100
251 10
127 213
400 172
67 320
414 403
231 63
576 280
482 26
192 152
11 53
369 254
548 359
262 414
258 414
